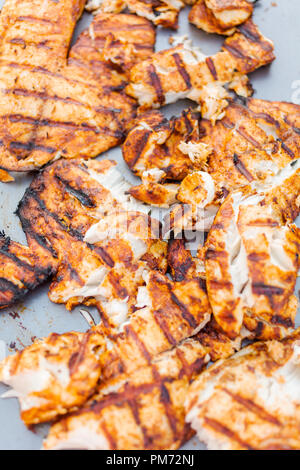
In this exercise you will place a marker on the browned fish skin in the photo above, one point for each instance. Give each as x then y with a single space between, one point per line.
60 108
220 16
250 401
21 271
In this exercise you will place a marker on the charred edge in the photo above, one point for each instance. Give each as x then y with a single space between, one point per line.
5 252
27 227
279 320
180 67
77 193
239 165
17 293
156 83
185 312
73 232
210 64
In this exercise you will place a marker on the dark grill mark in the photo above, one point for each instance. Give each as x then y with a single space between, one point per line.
253 407
235 52
159 318
246 136
41 95
180 67
210 64
269 291
139 343
187 122
251 35
156 83
221 429
184 311
77 193
73 232
139 147
287 149
279 320
10 287
239 165
50 123
30 146
19 41
103 254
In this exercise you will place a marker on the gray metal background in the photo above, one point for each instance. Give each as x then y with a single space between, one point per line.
37 316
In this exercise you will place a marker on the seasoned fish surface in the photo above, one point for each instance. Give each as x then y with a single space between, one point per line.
21 271
220 16
150 404
53 375
79 214
152 149
251 267
52 106
161 12
250 401
112 45
185 72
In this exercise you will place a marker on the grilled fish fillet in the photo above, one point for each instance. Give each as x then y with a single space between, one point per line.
79 215
185 72
250 401
161 12
149 403
53 375
112 45
21 271
59 373
220 16
53 107
248 146
251 267
153 148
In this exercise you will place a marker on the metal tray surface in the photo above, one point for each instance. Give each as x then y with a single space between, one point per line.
37 316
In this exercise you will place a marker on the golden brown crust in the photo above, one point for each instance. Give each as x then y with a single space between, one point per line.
62 372
154 144
60 108
183 72
251 267
250 401
221 17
